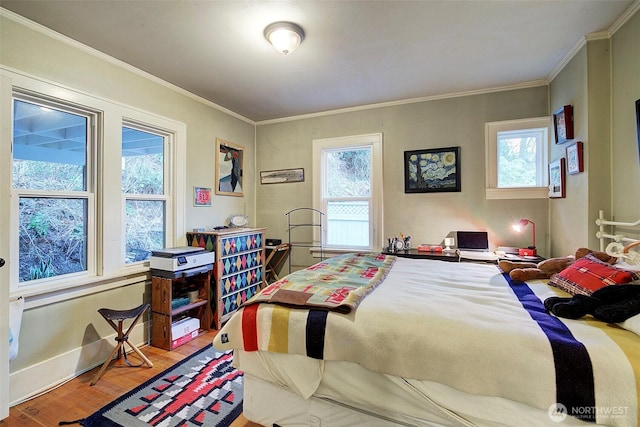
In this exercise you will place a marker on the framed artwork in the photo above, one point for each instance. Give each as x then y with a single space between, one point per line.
282 176
432 170
201 196
563 124
575 162
638 123
557 179
229 169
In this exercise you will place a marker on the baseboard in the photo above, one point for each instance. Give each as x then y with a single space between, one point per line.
49 374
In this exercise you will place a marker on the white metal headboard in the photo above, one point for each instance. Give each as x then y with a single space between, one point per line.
619 242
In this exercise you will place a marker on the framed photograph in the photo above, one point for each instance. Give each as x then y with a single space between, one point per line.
201 196
229 158
575 162
282 176
557 179
432 170
563 124
638 124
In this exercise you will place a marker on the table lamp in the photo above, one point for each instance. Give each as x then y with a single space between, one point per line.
518 227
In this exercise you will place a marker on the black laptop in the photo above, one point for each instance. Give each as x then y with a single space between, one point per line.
476 241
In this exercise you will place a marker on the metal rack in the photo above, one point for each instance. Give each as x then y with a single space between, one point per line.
315 214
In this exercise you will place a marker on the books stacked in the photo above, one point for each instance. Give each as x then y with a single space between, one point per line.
429 248
179 302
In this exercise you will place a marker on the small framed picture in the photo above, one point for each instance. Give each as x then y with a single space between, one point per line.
557 179
575 162
282 176
201 196
229 168
563 124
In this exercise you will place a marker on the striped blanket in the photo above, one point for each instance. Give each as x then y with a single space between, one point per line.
469 327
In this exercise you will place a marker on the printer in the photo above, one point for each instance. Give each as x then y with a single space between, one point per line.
184 261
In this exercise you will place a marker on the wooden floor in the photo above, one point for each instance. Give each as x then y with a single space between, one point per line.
77 399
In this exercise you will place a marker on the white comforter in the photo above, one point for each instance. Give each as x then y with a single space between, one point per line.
463 325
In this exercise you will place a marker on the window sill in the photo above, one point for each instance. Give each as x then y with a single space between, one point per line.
517 193
41 296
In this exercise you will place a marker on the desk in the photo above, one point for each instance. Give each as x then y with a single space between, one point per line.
416 254
453 256
517 258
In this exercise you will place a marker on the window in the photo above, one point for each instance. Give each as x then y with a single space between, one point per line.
143 189
348 189
95 187
516 158
52 179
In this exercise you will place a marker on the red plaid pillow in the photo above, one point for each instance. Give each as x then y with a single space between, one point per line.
588 274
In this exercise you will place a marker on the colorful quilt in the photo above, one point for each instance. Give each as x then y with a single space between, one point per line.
337 284
469 327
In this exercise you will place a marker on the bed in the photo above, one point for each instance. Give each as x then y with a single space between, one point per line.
427 343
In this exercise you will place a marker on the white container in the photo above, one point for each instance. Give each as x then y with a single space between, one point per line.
184 326
193 296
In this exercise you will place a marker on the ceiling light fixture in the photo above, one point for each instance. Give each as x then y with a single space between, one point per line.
284 36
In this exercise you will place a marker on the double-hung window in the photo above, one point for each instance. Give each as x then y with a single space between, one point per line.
53 180
143 189
348 190
516 158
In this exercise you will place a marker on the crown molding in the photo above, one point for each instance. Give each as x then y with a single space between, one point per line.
599 35
624 17
524 85
114 61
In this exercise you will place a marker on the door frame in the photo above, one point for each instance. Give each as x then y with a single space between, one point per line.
6 110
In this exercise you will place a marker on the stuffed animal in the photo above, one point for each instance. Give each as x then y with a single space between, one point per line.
611 304
523 271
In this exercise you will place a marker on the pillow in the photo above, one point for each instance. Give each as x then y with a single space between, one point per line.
632 324
622 265
588 274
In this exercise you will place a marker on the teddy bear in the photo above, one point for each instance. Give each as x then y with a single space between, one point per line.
523 271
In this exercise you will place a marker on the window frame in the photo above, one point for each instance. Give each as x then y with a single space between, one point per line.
491 160
168 137
110 269
376 234
89 194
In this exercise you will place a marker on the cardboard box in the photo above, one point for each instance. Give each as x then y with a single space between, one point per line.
184 326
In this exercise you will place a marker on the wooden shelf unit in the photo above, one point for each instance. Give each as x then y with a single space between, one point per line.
163 291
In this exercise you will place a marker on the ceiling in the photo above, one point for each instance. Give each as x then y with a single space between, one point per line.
355 52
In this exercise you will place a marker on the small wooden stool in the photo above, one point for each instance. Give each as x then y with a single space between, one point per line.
112 316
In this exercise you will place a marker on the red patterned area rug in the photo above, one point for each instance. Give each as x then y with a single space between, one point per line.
201 390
